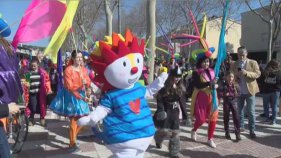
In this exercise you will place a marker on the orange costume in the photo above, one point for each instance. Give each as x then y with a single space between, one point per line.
69 102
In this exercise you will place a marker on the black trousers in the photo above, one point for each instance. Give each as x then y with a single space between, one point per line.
230 105
34 104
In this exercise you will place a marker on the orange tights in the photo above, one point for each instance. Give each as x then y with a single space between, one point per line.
73 131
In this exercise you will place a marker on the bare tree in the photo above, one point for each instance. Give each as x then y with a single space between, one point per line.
136 19
109 10
87 15
271 16
151 31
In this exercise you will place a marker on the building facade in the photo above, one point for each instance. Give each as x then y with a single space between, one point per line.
255 36
212 33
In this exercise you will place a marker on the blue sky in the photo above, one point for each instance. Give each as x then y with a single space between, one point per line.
12 11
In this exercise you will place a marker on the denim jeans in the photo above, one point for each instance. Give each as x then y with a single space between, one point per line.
4 145
271 99
250 108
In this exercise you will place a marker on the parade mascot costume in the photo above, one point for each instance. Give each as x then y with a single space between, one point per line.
128 128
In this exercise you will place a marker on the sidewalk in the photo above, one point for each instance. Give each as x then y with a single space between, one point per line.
52 142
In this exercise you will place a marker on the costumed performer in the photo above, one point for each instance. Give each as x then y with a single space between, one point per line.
201 102
128 127
39 87
170 100
71 100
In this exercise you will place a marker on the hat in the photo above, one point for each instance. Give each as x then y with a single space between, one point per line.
176 72
4 27
163 69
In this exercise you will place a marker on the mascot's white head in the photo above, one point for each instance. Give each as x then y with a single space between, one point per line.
119 61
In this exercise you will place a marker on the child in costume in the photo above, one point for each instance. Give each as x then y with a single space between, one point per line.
201 102
39 86
90 97
170 100
128 127
71 100
229 93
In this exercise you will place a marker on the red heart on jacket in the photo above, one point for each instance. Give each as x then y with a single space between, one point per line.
135 106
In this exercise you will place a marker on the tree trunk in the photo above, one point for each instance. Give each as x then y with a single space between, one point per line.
109 16
270 34
151 8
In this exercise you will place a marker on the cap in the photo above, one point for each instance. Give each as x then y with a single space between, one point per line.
176 72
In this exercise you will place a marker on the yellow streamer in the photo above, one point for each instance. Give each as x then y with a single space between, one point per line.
162 50
62 31
203 26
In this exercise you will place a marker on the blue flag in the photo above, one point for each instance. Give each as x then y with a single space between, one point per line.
221 51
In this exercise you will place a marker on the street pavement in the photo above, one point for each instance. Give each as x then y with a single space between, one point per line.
52 141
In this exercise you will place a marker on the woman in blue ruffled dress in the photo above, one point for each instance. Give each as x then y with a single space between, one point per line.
71 100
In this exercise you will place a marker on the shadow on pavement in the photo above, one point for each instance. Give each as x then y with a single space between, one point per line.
160 153
40 152
206 154
272 141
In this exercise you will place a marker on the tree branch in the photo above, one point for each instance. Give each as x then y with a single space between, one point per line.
276 32
96 15
277 9
257 13
262 6
114 5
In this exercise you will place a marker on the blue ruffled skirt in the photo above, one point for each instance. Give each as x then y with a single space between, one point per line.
66 104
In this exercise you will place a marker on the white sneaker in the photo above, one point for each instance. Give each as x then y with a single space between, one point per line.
212 143
193 135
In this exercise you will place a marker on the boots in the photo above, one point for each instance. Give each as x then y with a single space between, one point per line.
159 137
43 122
227 135
174 146
31 122
238 138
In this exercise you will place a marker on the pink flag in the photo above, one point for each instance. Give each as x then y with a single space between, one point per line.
41 19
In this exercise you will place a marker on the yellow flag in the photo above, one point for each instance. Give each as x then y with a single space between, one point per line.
62 31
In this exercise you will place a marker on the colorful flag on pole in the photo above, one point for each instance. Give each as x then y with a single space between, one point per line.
221 51
62 31
41 20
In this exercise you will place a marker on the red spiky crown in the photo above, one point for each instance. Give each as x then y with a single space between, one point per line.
109 52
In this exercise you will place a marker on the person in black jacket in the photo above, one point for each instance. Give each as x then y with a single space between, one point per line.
229 92
5 110
170 100
270 88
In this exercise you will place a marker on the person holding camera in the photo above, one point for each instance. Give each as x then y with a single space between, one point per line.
246 72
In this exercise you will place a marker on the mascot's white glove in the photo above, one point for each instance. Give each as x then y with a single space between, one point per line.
94 117
156 85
